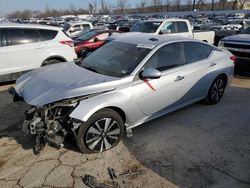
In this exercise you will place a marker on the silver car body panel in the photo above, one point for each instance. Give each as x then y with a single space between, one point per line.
140 100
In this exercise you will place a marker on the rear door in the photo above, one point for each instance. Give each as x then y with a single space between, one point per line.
4 63
22 49
198 69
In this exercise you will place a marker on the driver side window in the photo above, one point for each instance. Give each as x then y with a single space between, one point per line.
165 58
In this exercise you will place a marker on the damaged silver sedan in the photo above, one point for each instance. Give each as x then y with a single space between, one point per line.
123 84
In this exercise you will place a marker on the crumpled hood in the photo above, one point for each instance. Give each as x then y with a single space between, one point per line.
237 38
61 81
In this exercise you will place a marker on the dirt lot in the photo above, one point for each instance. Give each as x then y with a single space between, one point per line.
199 146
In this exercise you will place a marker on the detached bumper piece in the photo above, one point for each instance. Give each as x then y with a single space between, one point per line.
13 92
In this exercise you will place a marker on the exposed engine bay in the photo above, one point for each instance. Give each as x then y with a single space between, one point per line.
50 124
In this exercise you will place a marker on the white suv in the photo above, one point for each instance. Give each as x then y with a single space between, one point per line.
26 47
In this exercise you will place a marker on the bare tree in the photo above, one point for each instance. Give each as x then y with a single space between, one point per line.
222 4
157 5
189 5
95 7
104 8
91 7
177 4
167 4
122 4
141 6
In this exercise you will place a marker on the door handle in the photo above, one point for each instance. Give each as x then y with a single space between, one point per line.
178 78
212 64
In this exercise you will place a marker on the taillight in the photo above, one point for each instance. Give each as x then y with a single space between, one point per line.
67 42
233 58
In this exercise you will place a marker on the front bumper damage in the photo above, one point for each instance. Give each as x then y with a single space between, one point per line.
49 124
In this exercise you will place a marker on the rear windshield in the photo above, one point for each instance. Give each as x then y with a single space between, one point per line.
47 34
86 36
146 27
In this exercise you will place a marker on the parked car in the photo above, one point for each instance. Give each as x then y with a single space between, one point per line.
75 27
177 27
239 45
202 24
90 41
121 85
26 47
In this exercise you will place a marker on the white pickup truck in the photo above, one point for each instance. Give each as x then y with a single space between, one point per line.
180 27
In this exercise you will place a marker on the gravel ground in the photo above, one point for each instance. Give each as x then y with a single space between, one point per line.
199 146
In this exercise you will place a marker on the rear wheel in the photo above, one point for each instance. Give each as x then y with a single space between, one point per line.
216 90
101 132
51 62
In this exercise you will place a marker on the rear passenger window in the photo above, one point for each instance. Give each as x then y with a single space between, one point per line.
77 28
165 58
182 27
22 36
85 26
47 34
195 51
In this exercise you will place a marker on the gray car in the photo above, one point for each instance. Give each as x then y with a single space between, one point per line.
121 85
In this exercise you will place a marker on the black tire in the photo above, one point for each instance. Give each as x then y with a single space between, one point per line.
216 90
93 139
51 62
83 53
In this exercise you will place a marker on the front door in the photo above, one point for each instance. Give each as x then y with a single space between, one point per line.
157 95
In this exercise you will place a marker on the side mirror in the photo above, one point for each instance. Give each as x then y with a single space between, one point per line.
150 73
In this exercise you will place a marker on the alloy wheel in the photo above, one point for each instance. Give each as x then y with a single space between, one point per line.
102 135
217 89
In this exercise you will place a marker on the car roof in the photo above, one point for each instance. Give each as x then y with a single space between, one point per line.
78 22
34 26
162 20
150 39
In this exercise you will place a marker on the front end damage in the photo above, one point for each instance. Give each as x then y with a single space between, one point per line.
50 124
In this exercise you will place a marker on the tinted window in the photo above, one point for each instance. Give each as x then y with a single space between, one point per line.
195 51
165 58
47 34
22 36
246 31
145 27
85 26
182 27
77 28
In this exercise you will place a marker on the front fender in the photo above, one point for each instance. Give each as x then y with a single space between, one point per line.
88 107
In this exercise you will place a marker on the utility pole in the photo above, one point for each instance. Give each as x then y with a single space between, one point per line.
212 5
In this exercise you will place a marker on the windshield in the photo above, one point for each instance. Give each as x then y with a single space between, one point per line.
86 36
115 59
66 27
246 31
146 27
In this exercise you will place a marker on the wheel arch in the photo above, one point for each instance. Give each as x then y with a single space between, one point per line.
55 57
223 75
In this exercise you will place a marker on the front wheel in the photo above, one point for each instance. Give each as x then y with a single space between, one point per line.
101 132
216 90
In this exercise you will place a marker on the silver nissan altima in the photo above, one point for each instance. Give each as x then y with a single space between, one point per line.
121 85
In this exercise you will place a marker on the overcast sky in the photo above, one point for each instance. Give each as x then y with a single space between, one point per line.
8 6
